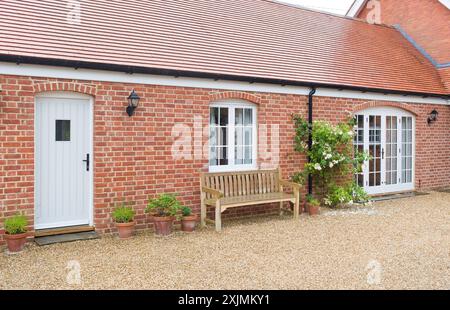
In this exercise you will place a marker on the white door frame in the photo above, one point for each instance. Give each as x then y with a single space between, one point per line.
383 112
69 95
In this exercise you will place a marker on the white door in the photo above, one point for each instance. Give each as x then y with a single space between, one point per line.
64 160
387 134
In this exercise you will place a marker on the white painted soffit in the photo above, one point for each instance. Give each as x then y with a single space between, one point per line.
149 79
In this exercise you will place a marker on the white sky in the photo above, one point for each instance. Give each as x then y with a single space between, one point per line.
333 6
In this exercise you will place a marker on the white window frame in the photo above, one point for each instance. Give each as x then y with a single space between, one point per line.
232 105
399 113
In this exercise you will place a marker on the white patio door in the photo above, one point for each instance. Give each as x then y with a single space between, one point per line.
387 134
64 161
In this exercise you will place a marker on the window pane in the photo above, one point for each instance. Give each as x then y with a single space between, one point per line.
213 136
248 117
223 116
239 116
248 135
214 116
62 130
223 136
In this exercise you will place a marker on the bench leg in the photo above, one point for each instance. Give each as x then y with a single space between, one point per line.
281 209
203 211
218 217
297 205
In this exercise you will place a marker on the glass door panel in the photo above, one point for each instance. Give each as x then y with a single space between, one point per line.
375 150
391 150
407 150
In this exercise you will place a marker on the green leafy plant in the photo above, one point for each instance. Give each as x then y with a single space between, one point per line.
332 157
164 205
16 225
348 194
123 214
186 211
312 201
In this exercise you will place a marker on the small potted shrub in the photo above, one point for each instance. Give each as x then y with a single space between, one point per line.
188 220
16 233
163 210
313 205
124 218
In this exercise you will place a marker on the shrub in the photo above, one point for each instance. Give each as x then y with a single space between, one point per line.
332 157
186 211
164 205
123 214
349 194
16 225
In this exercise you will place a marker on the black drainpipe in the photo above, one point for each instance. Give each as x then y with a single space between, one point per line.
310 121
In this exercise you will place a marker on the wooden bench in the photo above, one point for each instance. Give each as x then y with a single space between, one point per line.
236 189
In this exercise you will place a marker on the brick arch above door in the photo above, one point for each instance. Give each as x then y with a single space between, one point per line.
65 86
380 104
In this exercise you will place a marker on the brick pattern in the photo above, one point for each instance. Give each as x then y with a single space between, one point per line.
133 156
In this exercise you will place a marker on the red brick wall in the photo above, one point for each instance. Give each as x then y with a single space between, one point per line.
426 21
133 157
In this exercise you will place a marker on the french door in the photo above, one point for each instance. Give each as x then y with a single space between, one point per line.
387 134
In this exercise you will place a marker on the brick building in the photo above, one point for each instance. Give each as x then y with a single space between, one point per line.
69 150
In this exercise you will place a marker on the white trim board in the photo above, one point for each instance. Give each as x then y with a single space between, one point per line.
149 79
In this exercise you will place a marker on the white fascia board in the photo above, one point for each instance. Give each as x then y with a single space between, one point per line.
356 7
446 3
8 68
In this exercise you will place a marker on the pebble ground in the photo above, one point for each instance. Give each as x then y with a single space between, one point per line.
398 244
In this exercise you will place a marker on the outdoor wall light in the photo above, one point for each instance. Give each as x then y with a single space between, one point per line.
433 117
133 103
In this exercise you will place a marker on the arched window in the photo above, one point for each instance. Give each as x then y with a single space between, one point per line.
233 136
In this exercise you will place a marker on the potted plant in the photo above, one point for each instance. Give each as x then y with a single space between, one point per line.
16 233
124 218
163 209
313 205
188 220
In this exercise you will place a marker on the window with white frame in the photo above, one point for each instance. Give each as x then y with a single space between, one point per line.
232 140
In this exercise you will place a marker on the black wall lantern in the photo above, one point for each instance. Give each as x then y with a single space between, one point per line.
433 117
133 103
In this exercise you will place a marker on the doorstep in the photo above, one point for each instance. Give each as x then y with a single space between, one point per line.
397 195
47 240
63 230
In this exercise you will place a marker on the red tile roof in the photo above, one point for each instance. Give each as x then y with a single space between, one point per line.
246 38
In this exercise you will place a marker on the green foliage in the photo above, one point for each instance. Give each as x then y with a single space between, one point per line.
332 157
186 211
164 205
312 201
348 194
123 214
16 225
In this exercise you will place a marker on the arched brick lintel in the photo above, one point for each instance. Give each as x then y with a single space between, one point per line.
65 86
235 95
373 104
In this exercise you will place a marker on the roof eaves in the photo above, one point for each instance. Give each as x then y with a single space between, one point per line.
195 74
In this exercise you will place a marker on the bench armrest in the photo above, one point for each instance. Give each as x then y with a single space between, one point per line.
213 192
293 185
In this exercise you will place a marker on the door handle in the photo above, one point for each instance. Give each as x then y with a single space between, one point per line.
382 153
87 161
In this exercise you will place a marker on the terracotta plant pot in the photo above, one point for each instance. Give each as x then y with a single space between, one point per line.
163 225
126 230
16 242
313 210
188 223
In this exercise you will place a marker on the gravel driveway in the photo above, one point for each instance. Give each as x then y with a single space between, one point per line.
399 244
